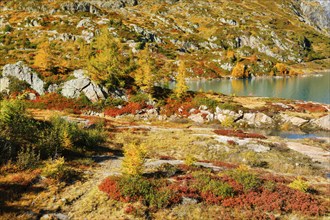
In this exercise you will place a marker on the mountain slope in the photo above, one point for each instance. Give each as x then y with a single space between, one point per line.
210 35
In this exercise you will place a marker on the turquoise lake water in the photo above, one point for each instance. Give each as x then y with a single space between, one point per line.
314 87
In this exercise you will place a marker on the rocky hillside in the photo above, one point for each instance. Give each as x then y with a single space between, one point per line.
210 35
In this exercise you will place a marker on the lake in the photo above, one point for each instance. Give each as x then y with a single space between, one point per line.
314 87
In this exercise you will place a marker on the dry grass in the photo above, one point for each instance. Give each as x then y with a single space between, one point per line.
250 102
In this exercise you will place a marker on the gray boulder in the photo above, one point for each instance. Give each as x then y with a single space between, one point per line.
82 84
24 73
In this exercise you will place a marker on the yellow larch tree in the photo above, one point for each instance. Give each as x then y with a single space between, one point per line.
43 58
104 64
181 86
144 76
134 159
239 71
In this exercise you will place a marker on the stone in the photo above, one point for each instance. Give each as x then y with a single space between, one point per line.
188 201
53 88
31 96
24 73
223 114
85 23
75 7
257 119
198 118
203 107
4 84
296 121
82 84
323 122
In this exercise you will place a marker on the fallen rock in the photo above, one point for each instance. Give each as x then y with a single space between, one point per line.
198 118
296 121
323 122
82 84
53 88
257 119
31 96
23 73
222 114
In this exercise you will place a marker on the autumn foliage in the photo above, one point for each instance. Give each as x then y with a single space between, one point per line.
240 71
268 195
130 108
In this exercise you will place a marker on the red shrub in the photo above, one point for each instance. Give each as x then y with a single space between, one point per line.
130 108
57 102
182 189
283 200
210 198
129 209
164 157
178 107
110 186
275 178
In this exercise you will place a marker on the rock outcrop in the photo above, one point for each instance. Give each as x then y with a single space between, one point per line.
114 4
317 14
323 122
82 84
74 7
24 73
223 114
258 119
296 121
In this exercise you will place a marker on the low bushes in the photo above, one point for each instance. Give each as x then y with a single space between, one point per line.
200 100
248 180
130 108
299 184
56 101
211 187
136 188
236 189
177 107
26 140
54 168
